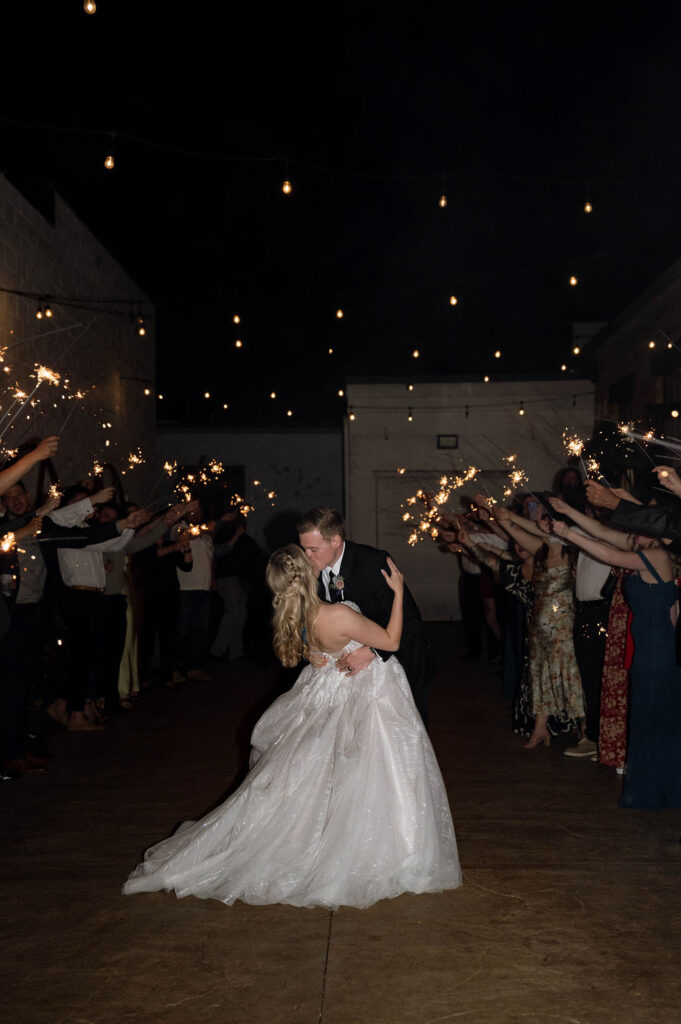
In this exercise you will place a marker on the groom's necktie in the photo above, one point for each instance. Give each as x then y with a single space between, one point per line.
335 596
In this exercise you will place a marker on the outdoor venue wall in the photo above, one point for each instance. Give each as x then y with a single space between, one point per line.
97 348
380 440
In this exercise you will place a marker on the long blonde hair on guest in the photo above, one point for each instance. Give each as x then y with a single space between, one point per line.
296 604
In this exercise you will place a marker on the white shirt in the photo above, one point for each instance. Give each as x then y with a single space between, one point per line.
471 567
335 569
200 576
84 567
32 569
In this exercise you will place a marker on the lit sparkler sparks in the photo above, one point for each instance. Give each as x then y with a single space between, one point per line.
8 542
573 444
43 373
54 492
425 524
97 468
136 459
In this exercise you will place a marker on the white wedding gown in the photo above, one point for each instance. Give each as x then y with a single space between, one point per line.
344 804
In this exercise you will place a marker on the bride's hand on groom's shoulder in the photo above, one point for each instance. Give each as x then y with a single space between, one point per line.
394 579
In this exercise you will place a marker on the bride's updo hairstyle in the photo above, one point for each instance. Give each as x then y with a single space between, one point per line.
294 585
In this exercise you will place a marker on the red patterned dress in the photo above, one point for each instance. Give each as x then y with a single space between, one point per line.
612 742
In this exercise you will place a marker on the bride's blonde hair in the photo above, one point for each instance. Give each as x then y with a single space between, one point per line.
296 605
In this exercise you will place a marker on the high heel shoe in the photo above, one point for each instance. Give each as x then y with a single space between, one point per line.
536 741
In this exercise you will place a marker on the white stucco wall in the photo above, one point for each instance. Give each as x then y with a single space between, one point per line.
486 419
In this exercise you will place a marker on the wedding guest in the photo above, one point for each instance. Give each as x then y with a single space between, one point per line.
557 697
653 772
237 568
196 580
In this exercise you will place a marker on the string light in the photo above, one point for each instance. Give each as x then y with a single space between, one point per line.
287 188
442 201
147 392
330 351
89 6
225 405
573 280
48 312
109 162
39 314
521 410
141 329
289 412
486 379
160 398
410 416
576 350
563 367
497 354
206 394
587 207
675 413
352 417
236 318
273 394
415 354
651 344
341 393
238 343
453 300
410 387
339 313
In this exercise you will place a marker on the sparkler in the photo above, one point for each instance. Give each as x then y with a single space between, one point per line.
425 524
136 459
8 542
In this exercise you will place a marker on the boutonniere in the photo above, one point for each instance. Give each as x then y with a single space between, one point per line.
338 584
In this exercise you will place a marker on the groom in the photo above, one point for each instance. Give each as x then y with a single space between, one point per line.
352 572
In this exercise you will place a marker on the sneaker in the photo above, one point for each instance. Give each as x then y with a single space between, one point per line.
585 748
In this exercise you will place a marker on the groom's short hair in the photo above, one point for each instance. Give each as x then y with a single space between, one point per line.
329 521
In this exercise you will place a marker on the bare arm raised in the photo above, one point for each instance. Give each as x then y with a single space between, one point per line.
337 623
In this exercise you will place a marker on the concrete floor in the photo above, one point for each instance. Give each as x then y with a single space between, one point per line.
570 909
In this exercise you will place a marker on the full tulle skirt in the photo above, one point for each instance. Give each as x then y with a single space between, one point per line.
344 805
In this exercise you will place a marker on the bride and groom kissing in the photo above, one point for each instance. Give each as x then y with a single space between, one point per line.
344 804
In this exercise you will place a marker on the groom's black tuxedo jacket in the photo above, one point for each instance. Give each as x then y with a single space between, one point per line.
365 585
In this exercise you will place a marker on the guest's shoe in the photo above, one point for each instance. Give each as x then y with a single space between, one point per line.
536 741
82 724
20 766
56 714
179 677
585 748
199 674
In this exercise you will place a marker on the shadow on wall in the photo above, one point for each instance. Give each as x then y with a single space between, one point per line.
281 529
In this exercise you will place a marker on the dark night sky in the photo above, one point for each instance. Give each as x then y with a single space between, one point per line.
530 110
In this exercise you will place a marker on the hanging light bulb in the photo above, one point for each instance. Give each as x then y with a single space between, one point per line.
147 392
486 379
573 280
576 350
236 318
352 417
141 329
415 354
442 201
89 6
225 405
497 354
273 394
330 351
289 412
410 387
563 367
339 313
287 188
340 392
238 343
206 394
109 162
160 398
669 345
587 207
453 300
39 313
675 413
48 311
521 410
651 344
410 416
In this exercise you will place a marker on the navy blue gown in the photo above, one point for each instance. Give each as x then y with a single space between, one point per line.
653 775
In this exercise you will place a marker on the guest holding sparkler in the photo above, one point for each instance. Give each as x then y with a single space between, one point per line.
557 699
653 772
196 581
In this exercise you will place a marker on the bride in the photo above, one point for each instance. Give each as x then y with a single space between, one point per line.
344 803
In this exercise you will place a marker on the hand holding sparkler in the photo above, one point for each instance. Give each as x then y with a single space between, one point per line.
669 478
560 528
49 505
602 497
30 530
102 497
135 519
558 505
46 449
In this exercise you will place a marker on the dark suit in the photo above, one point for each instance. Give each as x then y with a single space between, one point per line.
364 584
